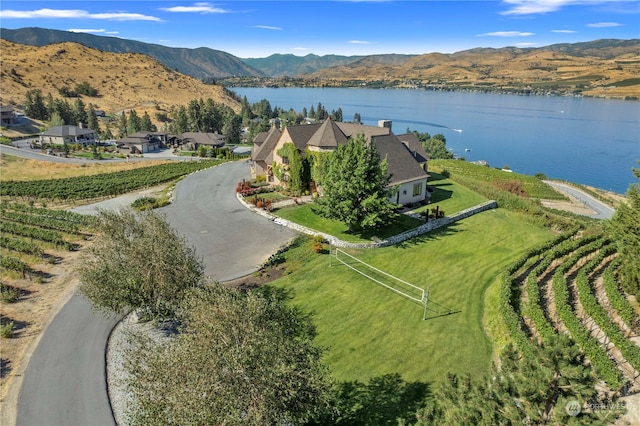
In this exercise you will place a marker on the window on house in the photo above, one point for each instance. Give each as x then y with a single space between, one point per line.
417 189
285 178
285 160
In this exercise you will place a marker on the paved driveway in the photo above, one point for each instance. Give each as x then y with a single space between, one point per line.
65 382
602 210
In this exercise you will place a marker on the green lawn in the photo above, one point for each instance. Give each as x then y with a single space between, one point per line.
368 330
450 196
303 215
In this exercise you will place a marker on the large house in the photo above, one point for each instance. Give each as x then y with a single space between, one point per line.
142 142
63 135
407 161
191 141
7 115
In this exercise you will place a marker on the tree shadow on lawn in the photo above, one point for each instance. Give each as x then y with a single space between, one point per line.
439 193
382 401
429 236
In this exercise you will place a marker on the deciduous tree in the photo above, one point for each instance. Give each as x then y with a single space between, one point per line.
356 186
138 262
240 358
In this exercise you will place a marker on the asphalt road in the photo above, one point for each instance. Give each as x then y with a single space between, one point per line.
65 383
602 210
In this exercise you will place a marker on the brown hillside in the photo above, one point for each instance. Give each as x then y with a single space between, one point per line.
124 80
615 76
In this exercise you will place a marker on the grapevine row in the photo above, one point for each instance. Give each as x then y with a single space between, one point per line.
40 221
46 235
13 264
20 245
102 185
604 366
630 351
63 215
616 298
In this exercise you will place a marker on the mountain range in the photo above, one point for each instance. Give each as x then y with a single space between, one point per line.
604 68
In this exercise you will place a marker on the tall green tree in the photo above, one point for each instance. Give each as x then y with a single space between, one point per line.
624 228
80 117
146 124
34 106
122 125
356 186
133 122
240 358
56 120
138 262
180 123
65 110
92 119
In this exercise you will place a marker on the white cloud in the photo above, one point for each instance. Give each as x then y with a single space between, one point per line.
604 25
85 30
300 48
359 42
506 34
528 7
526 44
112 32
564 31
267 27
74 14
200 7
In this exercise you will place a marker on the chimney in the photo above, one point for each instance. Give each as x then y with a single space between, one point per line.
385 123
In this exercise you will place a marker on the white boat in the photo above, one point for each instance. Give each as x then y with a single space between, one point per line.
467 149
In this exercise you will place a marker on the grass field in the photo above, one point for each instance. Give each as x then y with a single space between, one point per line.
450 196
368 330
16 168
303 215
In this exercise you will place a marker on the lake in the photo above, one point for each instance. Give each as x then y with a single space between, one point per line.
584 140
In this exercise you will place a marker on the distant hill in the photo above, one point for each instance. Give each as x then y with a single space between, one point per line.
123 80
203 63
279 65
607 68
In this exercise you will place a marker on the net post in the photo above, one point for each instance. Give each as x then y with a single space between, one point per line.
330 260
426 300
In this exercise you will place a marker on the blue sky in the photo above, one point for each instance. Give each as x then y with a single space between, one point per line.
260 28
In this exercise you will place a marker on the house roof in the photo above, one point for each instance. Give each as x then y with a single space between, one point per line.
411 141
259 138
264 152
215 139
6 108
402 166
329 136
61 131
351 130
301 133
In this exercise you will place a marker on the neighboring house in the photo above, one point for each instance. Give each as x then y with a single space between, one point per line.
407 163
142 142
262 154
7 115
63 135
191 141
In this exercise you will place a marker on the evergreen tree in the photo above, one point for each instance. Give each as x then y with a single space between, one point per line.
34 106
122 125
624 228
64 110
312 113
146 124
80 117
133 122
356 118
180 123
92 119
50 104
106 134
356 186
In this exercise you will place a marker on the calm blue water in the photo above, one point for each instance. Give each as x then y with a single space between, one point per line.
589 141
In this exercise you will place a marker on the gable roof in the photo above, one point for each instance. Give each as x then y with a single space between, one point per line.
264 152
411 141
301 133
401 165
61 131
203 138
329 136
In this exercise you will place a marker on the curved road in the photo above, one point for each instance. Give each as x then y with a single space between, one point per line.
602 210
65 381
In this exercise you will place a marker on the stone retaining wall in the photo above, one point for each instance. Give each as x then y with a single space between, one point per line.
422 229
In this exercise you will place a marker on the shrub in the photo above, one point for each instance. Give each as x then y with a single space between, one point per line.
8 294
6 330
